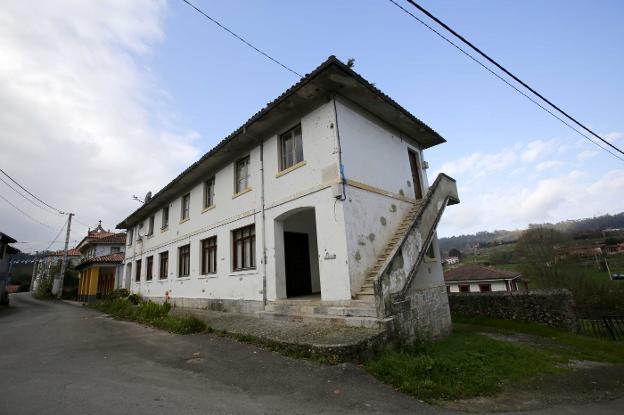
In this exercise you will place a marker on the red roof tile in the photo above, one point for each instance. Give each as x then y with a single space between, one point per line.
104 259
70 252
474 272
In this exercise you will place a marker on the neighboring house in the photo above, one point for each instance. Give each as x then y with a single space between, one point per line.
614 249
452 260
321 196
5 252
101 265
477 278
48 265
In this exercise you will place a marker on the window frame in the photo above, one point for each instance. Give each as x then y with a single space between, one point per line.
252 246
115 250
283 153
237 178
130 236
462 286
164 220
185 200
163 275
483 286
149 268
150 225
137 270
209 193
184 267
208 257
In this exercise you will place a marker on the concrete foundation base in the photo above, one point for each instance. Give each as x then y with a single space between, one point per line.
214 304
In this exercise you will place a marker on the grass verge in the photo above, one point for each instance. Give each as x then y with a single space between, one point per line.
150 313
470 364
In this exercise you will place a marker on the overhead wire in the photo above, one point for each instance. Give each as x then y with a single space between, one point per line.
27 191
246 42
506 81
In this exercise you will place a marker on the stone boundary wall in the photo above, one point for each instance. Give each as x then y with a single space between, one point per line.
553 308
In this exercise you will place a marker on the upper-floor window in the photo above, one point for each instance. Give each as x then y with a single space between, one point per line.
209 255
130 236
165 218
115 249
242 174
244 247
137 271
209 192
149 268
150 226
186 206
291 148
164 265
184 261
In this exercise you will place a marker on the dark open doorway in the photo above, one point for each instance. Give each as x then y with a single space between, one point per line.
297 264
413 158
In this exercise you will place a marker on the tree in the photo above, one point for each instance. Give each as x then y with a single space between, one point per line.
540 249
455 252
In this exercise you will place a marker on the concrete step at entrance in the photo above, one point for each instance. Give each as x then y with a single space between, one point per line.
361 309
333 320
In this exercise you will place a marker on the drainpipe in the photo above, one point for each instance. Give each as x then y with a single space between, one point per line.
263 215
343 180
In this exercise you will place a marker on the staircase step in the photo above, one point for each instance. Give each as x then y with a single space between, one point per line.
334 320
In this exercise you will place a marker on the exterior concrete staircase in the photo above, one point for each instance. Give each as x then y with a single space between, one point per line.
367 291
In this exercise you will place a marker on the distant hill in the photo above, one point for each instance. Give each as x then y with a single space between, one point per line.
498 237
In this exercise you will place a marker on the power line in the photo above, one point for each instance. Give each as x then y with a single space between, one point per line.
24 213
24 196
57 235
26 190
266 55
510 74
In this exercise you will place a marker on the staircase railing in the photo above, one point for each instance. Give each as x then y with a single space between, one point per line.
399 270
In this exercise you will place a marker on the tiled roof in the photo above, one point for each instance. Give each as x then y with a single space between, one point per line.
113 238
104 259
70 252
332 60
474 272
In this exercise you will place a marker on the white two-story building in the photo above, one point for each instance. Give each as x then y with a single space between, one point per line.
312 198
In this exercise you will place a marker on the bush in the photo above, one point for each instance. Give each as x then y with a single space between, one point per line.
134 298
119 293
151 313
44 290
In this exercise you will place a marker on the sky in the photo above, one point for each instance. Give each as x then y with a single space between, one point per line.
104 100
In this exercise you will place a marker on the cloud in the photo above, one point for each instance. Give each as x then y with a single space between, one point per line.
535 149
587 154
614 136
548 165
77 125
479 164
575 194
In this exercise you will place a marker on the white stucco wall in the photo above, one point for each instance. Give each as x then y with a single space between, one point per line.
377 156
307 186
497 285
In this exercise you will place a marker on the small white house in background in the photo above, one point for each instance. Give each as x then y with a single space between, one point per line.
452 260
300 202
476 278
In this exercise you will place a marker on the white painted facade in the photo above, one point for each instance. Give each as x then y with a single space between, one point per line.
495 285
349 233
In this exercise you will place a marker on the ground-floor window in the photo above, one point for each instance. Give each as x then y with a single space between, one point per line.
164 265
244 247
149 268
464 288
184 261
485 288
137 271
209 255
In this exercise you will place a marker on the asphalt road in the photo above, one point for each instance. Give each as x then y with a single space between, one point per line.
57 358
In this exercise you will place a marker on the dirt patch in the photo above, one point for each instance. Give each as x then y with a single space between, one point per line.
584 382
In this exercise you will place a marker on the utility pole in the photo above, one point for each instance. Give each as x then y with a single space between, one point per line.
57 287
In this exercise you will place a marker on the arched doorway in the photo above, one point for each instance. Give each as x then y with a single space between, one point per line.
297 253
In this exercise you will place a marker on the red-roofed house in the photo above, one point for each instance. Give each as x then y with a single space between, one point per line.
477 278
101 267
